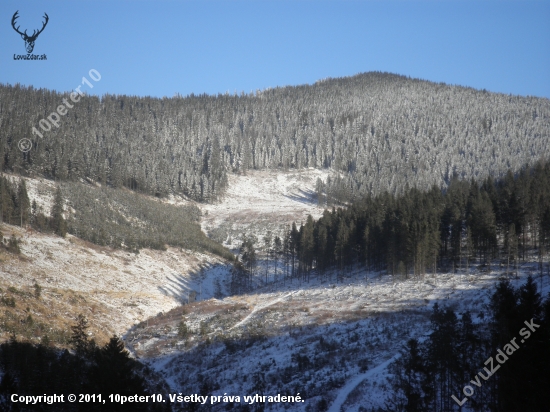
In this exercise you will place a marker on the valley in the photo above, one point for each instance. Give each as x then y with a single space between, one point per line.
321 251
117 289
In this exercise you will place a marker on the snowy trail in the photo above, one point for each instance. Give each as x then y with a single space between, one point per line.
260 307
352 384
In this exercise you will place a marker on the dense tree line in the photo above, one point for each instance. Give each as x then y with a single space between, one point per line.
16 208
29 369
108 217
456 354
377 131
122 218
422 231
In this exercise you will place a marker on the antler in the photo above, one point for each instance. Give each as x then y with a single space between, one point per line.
15 16
34 34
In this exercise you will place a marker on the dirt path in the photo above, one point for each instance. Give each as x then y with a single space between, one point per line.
258 308
352 384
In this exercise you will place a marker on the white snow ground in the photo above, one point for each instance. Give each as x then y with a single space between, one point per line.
39 189
354 382
342 329
260 201
339 328
135 287
132 287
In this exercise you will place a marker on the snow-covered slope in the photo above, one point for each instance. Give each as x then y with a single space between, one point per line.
121 288
330 342
124 288
260 201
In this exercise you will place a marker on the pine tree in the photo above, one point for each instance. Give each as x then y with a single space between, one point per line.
511 246
58 223
293 244
408 377
82 345
469 248
23 203
319 189
115 372
307 245
248 256
7 205
277 250
340 252
267 244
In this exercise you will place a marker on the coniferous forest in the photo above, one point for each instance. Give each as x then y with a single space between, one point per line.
88 369
504 361
107 217
419 232
424 178
377 131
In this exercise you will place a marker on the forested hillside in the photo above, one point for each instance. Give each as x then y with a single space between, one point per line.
435 179
432 372
29 369
107 217
379 131
419 231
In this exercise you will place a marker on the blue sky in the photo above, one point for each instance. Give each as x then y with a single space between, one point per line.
160 48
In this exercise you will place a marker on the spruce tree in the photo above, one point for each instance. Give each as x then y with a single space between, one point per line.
408 377
443 360
6 200
505 324
23 203
115 372
511 246
80 342
58 224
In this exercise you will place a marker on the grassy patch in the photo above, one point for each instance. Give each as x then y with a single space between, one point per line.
38 314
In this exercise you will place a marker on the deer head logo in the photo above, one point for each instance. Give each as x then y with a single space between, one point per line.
29 40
